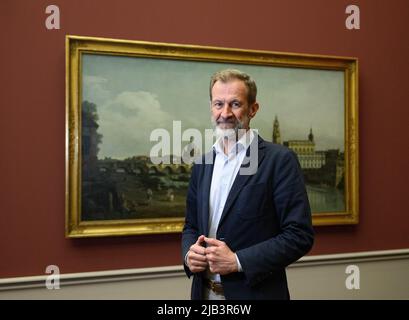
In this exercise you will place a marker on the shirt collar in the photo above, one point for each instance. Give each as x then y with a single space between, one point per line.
240 145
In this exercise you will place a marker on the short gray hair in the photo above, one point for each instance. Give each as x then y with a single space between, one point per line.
234 74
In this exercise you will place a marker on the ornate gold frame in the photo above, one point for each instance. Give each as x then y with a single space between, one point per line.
76 45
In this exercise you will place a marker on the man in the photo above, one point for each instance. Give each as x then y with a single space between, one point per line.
242 230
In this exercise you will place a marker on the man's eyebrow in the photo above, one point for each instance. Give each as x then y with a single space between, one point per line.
228 101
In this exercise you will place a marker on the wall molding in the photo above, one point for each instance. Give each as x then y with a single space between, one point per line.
353 257
67 279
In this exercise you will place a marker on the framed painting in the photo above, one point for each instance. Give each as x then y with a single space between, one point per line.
120 93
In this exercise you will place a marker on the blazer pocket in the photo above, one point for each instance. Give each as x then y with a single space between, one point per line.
251 201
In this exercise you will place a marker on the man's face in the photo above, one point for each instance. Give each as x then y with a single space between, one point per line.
229 106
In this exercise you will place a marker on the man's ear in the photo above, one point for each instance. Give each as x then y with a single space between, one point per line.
253 109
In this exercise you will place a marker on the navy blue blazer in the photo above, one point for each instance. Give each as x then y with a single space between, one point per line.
266 221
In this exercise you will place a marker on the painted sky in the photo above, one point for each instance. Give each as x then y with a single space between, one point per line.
137 95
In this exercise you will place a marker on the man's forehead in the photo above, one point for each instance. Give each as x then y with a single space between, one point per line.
234 87
233 81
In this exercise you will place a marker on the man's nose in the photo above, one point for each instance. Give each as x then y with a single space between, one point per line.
226 111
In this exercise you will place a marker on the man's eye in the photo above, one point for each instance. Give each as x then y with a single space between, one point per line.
236 104
218 105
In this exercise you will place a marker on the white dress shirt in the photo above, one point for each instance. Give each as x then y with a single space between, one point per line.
225 170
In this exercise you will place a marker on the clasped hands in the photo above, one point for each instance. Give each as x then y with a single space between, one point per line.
216 255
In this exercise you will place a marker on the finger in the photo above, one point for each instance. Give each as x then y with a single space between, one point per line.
197 269
197 249
211 258
198 264
210 250
200 240
198 257
213 242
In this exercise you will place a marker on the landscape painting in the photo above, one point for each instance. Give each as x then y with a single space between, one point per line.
121 99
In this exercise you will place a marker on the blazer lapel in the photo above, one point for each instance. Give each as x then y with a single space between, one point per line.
241 179
206 183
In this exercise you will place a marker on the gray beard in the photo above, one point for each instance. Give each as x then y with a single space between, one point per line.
232 134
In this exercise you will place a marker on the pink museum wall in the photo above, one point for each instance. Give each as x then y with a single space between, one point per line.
33 115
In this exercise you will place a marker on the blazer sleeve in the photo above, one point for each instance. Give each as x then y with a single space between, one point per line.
293 214
190 230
